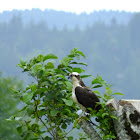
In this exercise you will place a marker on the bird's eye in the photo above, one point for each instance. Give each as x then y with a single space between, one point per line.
76 75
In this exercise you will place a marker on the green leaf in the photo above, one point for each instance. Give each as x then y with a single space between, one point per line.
41 112
78 126
83 64
104 115
69 85
60 75
19 129
68 102
33 87
99 80
40 58
76 122
73 52
27 123
79 52
54 112
49 65
30 109
27 136
67 110
108 91
97 86
85 76
35 127
24 108
117 93
48 138
36 135
49 56
41 90
23 63
69 69
64 126
32 62
65 61
78 63
40 73
70 138
97 92
79 70
27 97
114 117
37 68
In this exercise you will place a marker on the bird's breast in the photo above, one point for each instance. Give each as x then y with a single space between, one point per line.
73 93
74 97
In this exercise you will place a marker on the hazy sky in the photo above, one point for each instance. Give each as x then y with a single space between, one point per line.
77 6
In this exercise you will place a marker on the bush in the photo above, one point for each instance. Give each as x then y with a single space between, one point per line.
49 108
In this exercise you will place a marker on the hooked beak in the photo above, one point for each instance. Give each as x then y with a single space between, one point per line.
69 77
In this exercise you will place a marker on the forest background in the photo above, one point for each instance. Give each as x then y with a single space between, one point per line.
110 41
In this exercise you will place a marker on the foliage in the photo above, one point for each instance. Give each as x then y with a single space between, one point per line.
104 116
48 108
8 107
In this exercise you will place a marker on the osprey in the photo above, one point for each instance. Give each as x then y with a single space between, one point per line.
82 95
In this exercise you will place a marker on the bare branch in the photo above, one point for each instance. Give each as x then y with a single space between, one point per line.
89 130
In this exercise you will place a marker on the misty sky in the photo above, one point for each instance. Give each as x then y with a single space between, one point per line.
76 6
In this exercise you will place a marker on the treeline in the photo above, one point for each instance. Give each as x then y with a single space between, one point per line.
111 50
61 18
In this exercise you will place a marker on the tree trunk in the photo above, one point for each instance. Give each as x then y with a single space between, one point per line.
127 126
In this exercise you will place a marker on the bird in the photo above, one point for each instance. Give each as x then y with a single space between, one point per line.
82 95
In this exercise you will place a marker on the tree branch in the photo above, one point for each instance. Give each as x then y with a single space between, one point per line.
88 129
68 132
41 119
53 133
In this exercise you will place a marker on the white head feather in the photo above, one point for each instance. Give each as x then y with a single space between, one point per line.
75 73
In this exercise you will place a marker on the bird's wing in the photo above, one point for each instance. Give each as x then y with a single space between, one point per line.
86 97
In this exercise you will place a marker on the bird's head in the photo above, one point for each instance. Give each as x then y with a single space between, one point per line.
74 76
76 79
